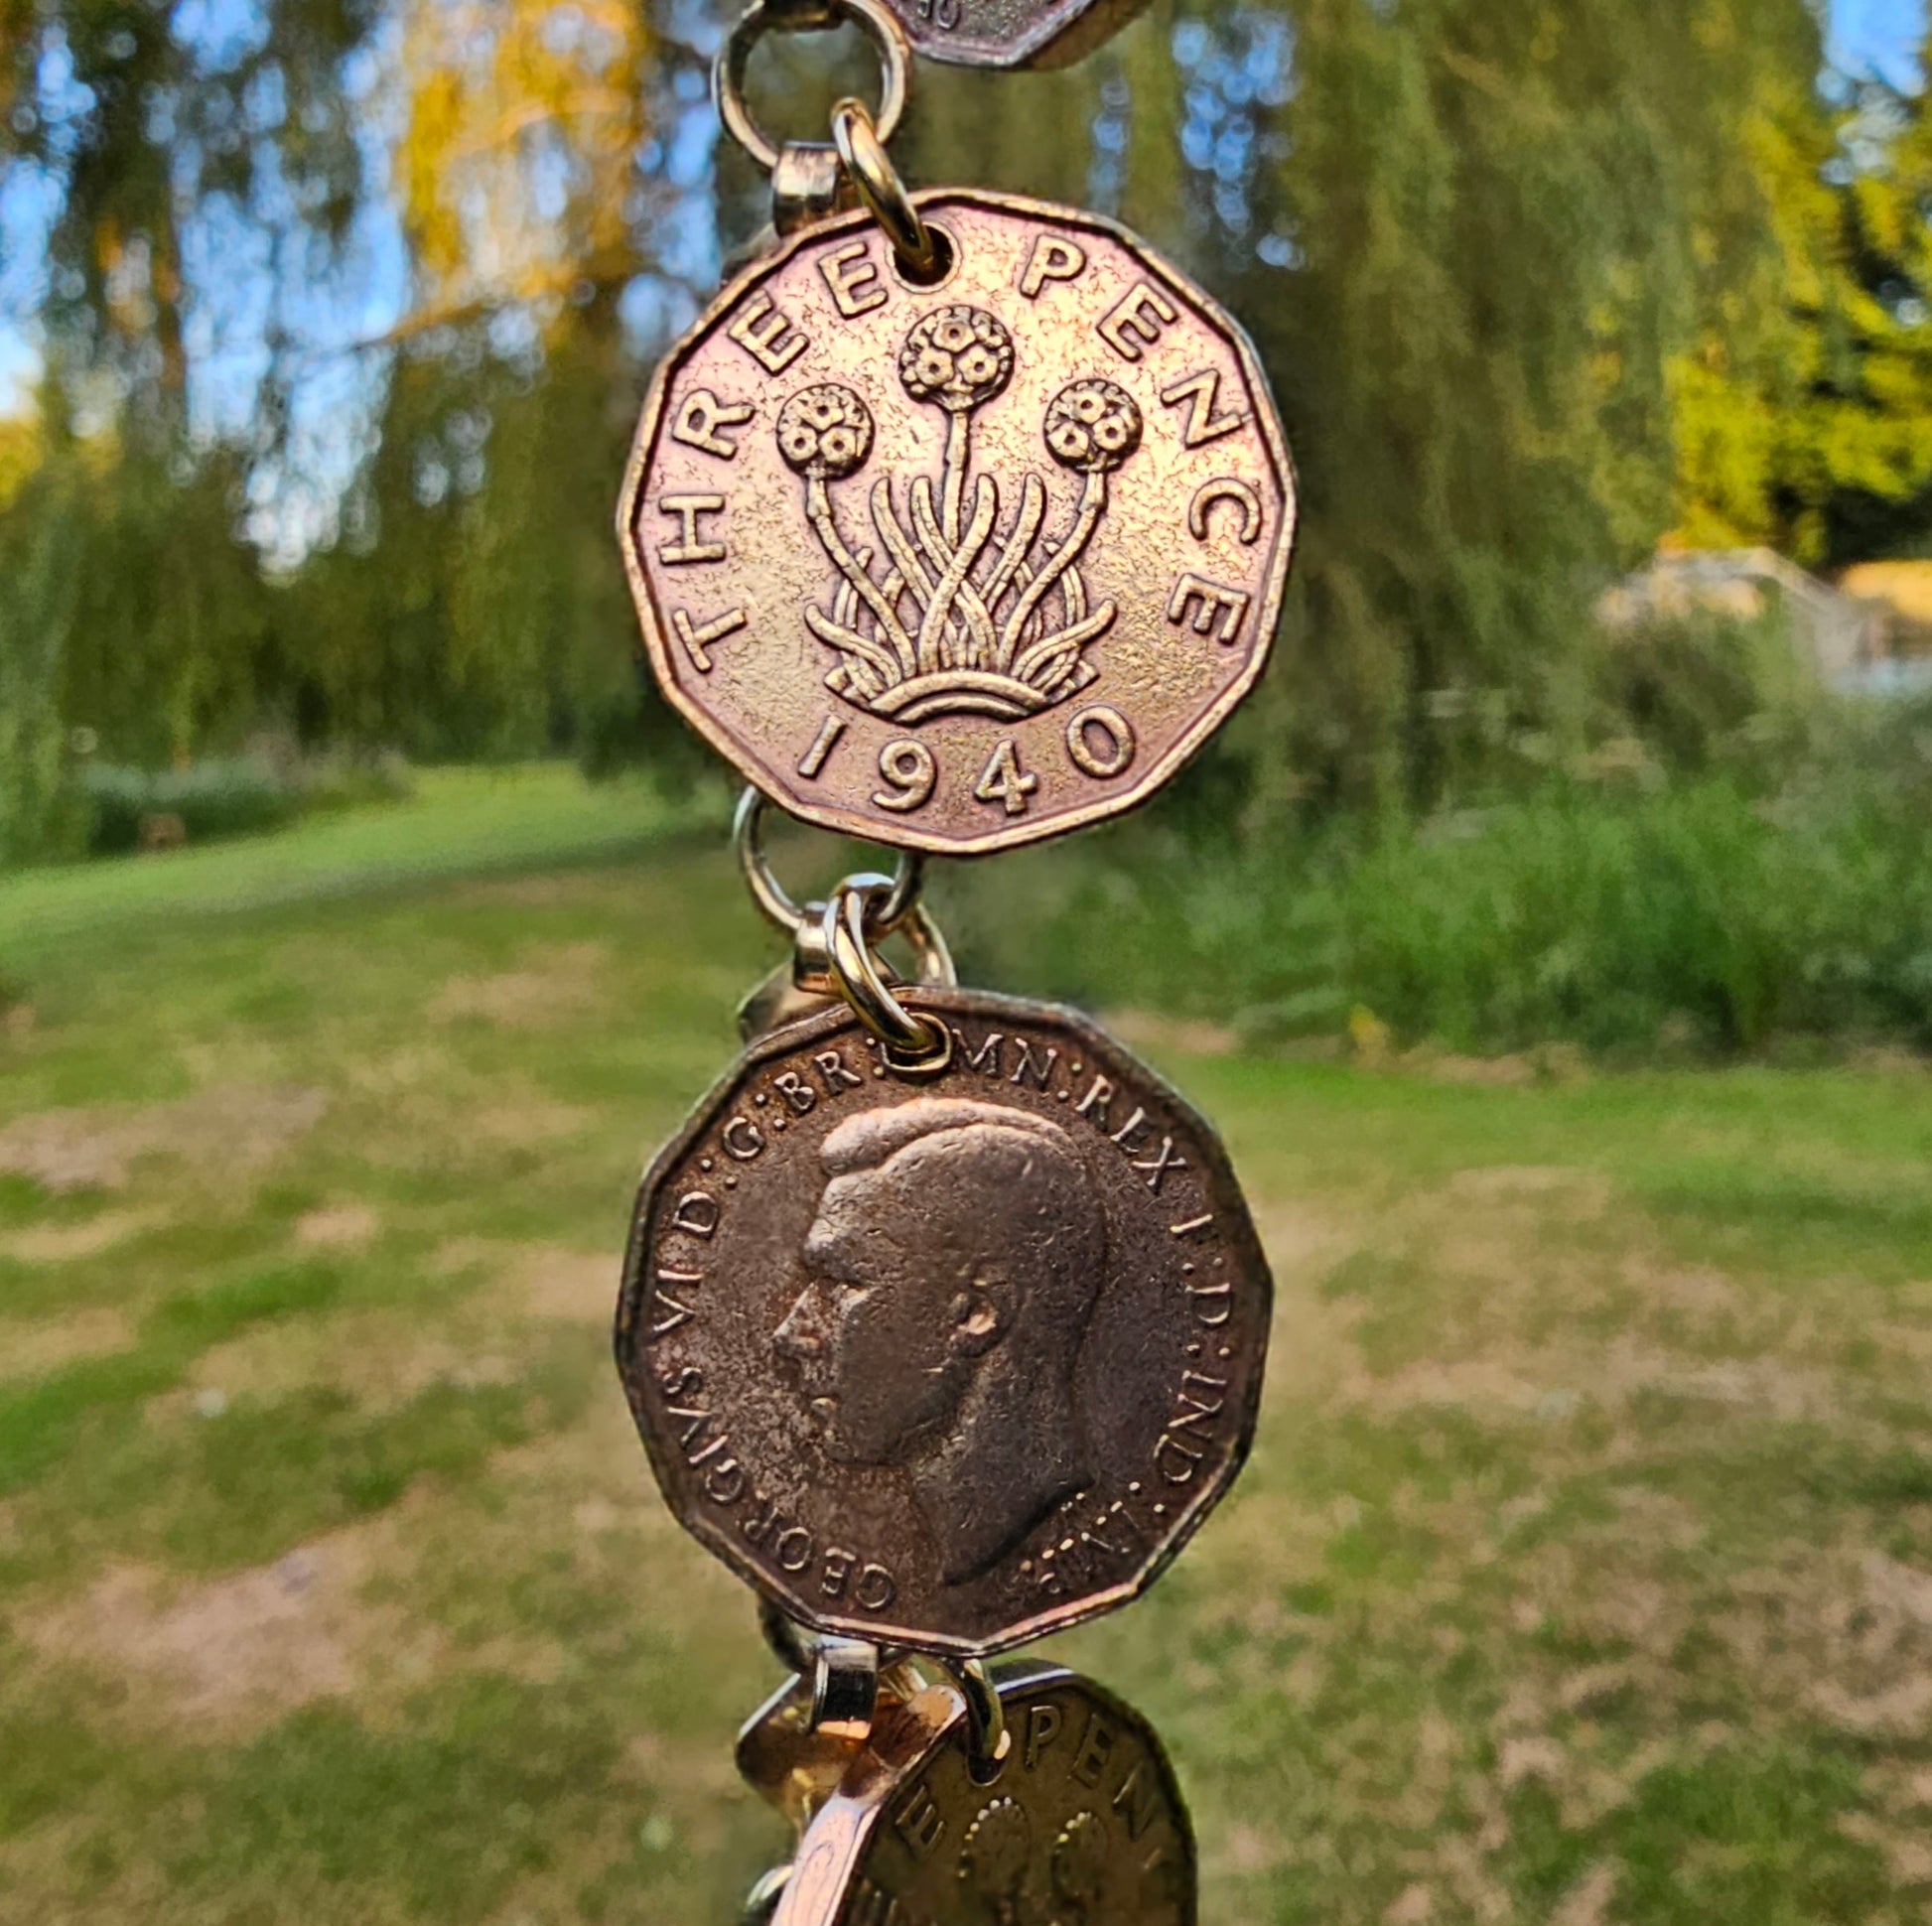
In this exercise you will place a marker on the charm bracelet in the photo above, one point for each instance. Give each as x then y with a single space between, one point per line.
956 522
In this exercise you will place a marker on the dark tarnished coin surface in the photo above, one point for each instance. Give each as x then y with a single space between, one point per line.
1084 1825
959 567
944 1361
1012 33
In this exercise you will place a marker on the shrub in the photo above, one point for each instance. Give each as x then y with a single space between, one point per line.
237 796
1708 911
39 813
209 799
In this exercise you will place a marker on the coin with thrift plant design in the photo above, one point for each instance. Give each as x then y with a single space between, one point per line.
1083 1825
967 565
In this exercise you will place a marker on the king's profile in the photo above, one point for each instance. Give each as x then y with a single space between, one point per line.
952 1271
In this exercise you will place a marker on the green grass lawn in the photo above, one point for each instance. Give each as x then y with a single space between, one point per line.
1584 1572
457 822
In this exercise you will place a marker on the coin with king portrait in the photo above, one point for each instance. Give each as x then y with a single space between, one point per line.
946 1360
968 564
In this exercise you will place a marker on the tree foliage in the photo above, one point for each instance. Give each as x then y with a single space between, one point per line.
1493 206
1805 404
344 311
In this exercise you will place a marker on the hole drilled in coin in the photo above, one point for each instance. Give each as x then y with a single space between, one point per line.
945 258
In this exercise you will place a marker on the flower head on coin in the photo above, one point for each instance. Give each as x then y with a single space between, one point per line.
1092 426
1080 1859
998 1844
959 357
825 431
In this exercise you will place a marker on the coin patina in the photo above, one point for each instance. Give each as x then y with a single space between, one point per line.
966 565
1083 1825
1012 33
945 1360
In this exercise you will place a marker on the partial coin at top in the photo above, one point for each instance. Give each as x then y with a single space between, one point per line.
945 1360
1013 33
959 567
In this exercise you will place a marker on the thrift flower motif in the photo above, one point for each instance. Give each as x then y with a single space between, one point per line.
825 431
1092 426
967 617
959 357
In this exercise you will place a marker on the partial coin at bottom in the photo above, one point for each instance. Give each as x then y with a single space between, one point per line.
1083 1824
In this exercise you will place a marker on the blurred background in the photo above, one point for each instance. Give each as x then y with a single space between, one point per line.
1603 337
1552 934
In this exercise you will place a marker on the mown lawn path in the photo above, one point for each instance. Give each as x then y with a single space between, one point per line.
1584 1572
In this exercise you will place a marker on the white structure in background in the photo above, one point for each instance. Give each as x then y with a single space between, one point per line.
1846 639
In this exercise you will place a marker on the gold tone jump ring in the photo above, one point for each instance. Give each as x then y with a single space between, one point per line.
784 1638
778 908
857 976
865 159
843 1672
811 959
914 1044
989 1742
931 953
875 20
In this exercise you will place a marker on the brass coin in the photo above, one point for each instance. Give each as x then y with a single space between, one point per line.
1084 1826
1013 33
959 567
945 1361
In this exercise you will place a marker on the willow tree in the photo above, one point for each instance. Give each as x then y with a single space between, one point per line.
33 813
1473 236
216 185
1806 402
131 606
473 604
